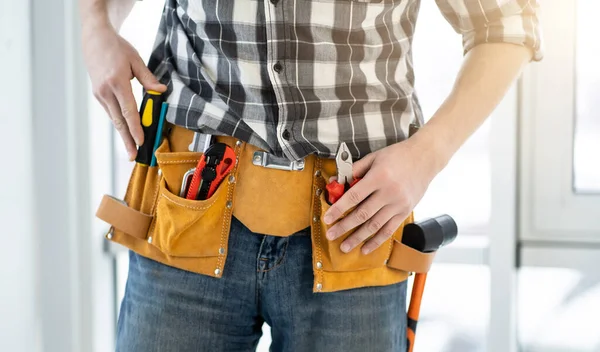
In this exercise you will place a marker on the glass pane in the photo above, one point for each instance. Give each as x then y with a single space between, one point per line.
558 310
587 123
463 189
455 309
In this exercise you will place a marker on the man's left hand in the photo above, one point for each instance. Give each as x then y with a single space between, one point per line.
394 179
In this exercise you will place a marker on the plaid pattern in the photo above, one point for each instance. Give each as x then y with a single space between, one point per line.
296 77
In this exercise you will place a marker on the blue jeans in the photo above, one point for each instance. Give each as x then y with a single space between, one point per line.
265 279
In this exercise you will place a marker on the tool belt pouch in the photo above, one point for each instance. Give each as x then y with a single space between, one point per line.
392 253
155 222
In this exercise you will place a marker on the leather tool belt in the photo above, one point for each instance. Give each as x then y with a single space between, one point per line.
154 221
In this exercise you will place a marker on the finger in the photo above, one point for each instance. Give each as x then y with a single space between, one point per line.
357 217
371 227
129 111
386 232
351 198
121 126
145 76
362 166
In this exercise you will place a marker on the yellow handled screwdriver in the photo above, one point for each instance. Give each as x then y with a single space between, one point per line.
152 112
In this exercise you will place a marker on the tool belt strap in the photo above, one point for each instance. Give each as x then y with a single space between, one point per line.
124 218
405 258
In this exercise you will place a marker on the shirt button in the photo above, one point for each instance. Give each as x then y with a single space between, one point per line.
274 2
286 135
277 67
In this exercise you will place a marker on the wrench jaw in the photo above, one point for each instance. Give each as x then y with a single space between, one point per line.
343 161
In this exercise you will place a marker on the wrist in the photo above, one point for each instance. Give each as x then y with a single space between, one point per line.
433 144
94 18
94 25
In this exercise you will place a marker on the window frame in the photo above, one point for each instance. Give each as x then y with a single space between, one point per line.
551 209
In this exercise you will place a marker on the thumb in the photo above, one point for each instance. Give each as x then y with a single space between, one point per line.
146 78
362 166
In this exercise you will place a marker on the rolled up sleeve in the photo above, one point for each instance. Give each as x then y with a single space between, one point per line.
495 21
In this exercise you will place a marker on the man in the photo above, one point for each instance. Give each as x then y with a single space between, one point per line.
296 78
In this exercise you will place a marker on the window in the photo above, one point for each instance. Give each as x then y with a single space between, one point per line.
587 105
560 167
558 288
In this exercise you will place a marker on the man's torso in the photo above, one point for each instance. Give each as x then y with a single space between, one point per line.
293 77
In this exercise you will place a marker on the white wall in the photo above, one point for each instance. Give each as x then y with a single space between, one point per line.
19 311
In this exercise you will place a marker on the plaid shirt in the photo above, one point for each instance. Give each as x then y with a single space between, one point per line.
296 77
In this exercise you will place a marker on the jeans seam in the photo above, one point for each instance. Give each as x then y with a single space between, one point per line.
280 262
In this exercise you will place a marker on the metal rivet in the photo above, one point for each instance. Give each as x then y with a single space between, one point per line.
385 262
217 271
159 172
231 179
257 158
317 173
319 191
150 239
109 235
319 287
221 250
345 155
300 163
238 143
229 204
319 265
315 218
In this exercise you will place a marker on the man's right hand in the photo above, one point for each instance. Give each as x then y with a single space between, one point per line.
112 63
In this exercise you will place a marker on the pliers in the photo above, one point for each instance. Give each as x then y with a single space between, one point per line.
216 162
345 180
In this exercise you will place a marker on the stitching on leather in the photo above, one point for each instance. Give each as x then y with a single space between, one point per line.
155 196
151 229
177 161
317 210
162 194
228 212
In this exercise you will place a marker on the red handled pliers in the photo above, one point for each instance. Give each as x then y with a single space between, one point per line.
345 180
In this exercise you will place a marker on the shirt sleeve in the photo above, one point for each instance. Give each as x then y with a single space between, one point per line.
495 21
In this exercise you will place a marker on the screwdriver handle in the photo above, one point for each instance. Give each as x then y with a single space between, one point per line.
150 112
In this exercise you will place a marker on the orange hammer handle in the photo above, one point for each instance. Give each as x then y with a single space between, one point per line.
414 308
